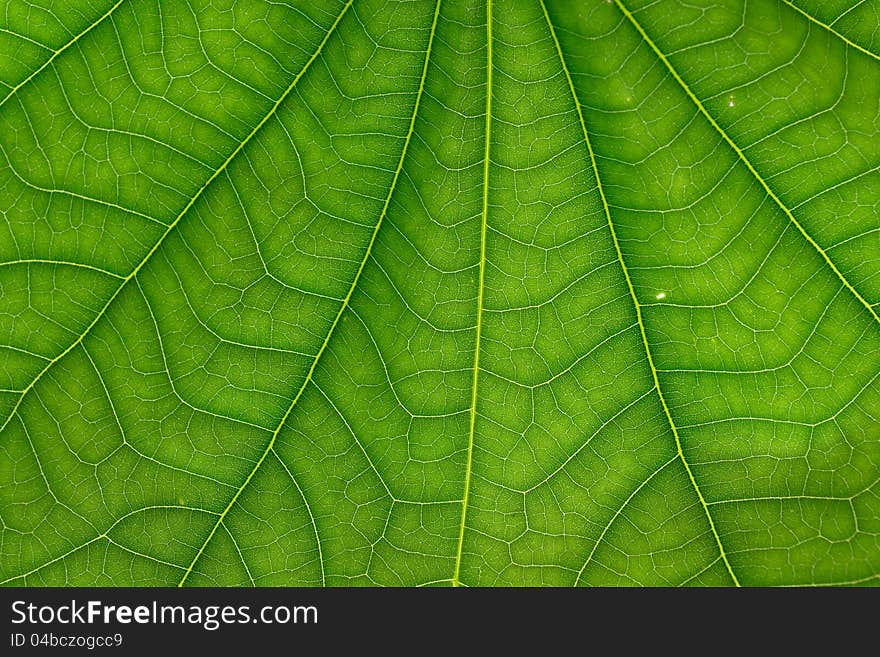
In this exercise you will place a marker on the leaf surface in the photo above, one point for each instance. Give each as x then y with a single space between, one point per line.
364 292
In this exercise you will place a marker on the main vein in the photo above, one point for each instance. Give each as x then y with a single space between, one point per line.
635 300
173 224
345 302
456 581
56 53
745 160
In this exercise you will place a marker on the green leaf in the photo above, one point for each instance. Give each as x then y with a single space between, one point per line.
545 292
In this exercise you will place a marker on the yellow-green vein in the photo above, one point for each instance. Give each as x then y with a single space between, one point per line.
56 53
177 219
60 263
308 378
744 159
634 298
482 275
815 20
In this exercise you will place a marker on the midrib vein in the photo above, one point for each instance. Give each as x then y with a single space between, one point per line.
173 224
635 301
56 53
345 302
456 581
830 29
745 160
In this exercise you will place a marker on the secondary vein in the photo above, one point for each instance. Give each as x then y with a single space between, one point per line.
456 581
636 304
56 53
345 302
828 27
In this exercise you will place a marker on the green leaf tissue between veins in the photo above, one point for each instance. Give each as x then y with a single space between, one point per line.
467 293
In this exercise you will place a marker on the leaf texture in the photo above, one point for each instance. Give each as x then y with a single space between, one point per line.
496 292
